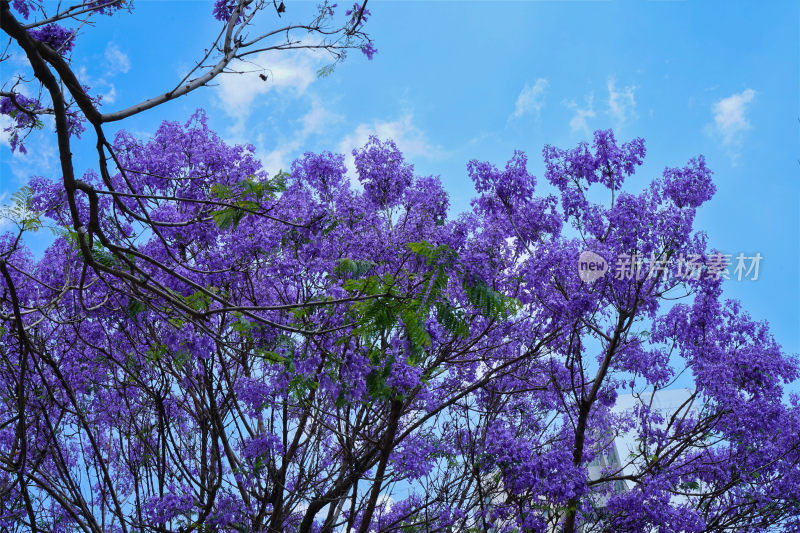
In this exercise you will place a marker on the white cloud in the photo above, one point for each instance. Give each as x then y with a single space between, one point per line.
410 140
530 99
285 72
385 502
730 117
4 221
621 103
110 95
5 122
41 158
578 123
315 122
319 121
118 61
42 152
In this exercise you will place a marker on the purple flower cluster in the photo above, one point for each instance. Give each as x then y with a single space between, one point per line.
382 171
690 186
223 9
23 119
59 38
23 7
369 50
176 502
299 347
358 15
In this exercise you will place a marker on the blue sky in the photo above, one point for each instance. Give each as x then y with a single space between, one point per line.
455 81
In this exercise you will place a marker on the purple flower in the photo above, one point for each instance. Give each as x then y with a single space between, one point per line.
223 9
690 186
23 6
369 50
59 38
383 171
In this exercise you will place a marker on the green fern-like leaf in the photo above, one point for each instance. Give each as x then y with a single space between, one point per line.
21 211
452 320
488 301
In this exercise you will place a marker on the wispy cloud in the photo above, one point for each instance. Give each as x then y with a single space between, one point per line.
5 122
110 96
530 99
410 140
621 102
620 107
286 73
117 60
100 86
4 221
578 123
317 121
730 117
41 159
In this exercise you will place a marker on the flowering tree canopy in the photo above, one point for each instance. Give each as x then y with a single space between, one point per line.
210 346
44 35
318 356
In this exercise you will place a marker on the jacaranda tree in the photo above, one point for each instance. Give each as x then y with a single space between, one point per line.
43 35
208 345
383 367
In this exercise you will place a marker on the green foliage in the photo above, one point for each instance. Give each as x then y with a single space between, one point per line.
135 307
198 300
330 227
160 352
432 254
391 310
488 301
690 485
270 356
376 381
244 197
326 71
68 234
300 386
245 327
355 269
180 359
103 256
452 320
415 330
21 212
371 285
156 352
